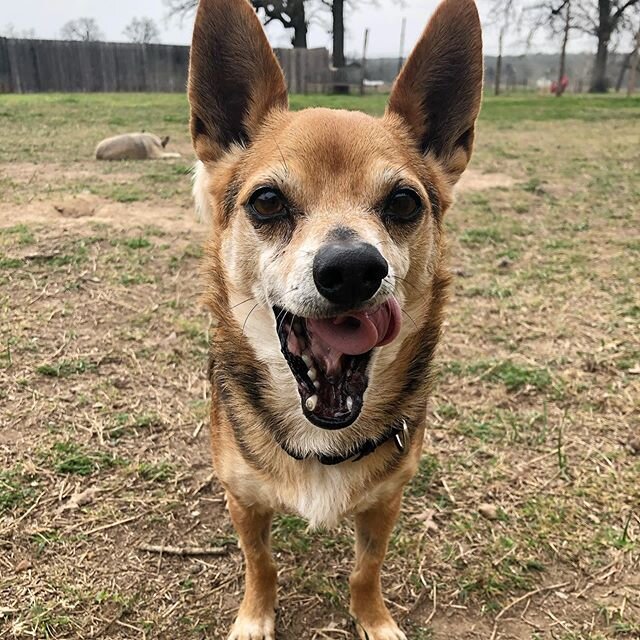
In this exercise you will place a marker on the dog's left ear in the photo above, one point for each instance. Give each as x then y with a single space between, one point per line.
234 77
439 90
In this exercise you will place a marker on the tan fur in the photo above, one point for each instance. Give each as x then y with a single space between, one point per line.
336 166
134 146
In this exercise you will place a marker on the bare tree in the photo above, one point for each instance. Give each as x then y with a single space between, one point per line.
633 65
566 28
180 8
603 19
338 8
556 18
10 31
503 13
290 13
142 30
85 29
632 27
337 31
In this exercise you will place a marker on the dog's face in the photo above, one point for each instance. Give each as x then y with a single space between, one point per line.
331 215
331 220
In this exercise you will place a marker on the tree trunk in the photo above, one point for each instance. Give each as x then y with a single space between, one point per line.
337 13
626 63
599 82
563 53
299 24
633 68
499 63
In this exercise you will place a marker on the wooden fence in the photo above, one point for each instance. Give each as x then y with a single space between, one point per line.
304 69
32 66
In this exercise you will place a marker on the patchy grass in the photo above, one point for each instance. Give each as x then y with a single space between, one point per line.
481 236
16 490
65 368
22 231
72 458
514 377
156 472
527 492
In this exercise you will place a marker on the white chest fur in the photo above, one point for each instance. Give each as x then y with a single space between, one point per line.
322 494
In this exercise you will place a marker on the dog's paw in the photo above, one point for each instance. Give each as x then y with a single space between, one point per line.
246 628
387 630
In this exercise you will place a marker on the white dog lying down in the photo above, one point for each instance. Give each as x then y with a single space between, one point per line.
134 146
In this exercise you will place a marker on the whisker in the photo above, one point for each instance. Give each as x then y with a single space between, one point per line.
244 324
282 316
410 318
422 295
241 303
284 162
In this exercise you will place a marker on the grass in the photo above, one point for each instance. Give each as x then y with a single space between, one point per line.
16 490
103 392
156 472
475 237
71 458
65 368
514 377
22 231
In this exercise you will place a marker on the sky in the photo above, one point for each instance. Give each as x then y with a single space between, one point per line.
46 17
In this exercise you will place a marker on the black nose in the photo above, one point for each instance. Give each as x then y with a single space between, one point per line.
349 273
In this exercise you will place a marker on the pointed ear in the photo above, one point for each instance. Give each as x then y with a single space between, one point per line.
234 77
439 90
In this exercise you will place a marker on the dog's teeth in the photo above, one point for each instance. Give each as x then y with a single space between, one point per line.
349 403
311 403
307 359
312 373
316 384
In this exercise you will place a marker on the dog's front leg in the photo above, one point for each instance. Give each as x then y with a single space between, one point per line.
373 528
256 618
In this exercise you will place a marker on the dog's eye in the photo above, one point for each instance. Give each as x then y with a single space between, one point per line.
403 205
267 203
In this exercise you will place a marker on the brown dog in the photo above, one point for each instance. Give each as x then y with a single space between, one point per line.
327 232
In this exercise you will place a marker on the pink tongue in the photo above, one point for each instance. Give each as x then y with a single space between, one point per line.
356 333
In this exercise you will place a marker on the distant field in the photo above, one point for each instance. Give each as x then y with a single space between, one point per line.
103 391
66 127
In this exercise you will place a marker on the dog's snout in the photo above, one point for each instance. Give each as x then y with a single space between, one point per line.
349 273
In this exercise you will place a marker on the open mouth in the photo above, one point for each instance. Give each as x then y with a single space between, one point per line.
329 358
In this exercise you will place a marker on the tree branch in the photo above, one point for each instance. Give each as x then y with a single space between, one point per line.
618 14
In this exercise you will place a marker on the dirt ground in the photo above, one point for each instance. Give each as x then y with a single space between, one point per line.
524 520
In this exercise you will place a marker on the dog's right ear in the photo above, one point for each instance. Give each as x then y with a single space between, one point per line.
234 77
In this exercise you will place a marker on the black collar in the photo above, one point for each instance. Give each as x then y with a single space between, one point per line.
399 431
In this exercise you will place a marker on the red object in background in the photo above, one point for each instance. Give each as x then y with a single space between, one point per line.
558 90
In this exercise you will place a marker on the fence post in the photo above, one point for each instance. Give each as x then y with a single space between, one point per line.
363 68
6 85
